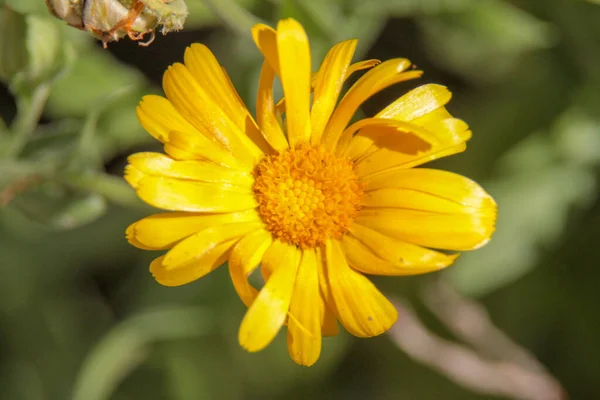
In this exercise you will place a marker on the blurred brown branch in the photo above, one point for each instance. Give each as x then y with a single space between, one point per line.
470 322
509 371
14 188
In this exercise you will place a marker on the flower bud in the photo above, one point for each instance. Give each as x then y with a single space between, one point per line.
13 54
110 20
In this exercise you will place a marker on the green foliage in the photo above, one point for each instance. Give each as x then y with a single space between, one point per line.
83 319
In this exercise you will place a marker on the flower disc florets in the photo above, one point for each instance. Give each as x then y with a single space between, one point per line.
307 195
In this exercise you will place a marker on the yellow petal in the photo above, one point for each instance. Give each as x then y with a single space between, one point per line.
363 259
359 306
133 176
210 261
206 115
294 65
424 107
417 102
304 325
328 85
440 231
157 164
447 130
377 79
265 38
383 159
181 195
268 312
214 80
406 258
190 250
450 192
265 110
329 323
184 155
245 257
163 231
185 146
409 199
130 235
358 66
389 133
159 117
431 208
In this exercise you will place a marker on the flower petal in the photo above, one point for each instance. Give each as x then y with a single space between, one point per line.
404 258
329 323
265 38
207 71
265 110
424 107
416 103
466 231
181 195
214 80
328 85
245 257
130 235
443 185
206 114
158 164
363 259
159 117
377 79
163 231
210 261
359 306
304 325
360 65
133 176
409 199
184 155
451 133
294 65
186 146
190 250
408 138
429 207
357 66
268 312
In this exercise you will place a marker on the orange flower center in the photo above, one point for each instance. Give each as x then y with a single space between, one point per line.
307 195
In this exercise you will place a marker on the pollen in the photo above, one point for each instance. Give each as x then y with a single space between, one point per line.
307 195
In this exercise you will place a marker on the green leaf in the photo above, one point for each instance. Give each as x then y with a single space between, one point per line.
402 8
79 212
94 76
127 345
544 179
485 41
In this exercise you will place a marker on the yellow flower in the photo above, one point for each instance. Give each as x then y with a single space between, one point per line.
313 202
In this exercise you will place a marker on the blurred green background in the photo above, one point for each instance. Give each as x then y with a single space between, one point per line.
81 318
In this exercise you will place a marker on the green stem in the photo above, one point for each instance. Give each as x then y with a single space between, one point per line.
29 111
112 188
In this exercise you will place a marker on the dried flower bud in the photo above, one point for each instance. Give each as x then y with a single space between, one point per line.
111 20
